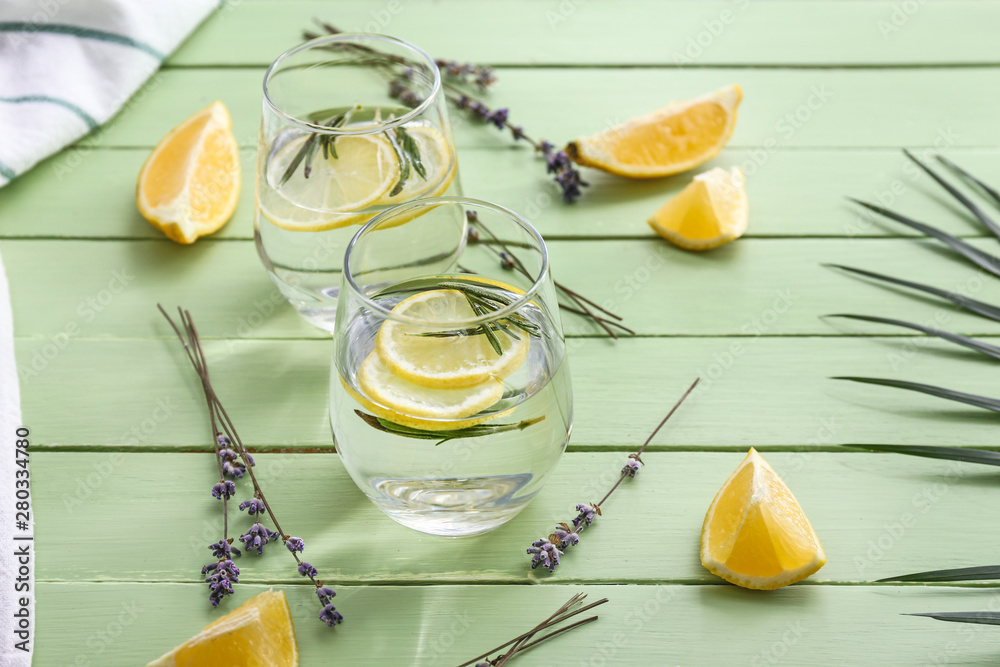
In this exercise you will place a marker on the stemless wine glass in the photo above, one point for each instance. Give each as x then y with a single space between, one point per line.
450 394
352 124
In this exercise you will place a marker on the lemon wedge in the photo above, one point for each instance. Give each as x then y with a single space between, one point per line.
189 185
709 212
258 633
755 533
676 138
445 362
338 188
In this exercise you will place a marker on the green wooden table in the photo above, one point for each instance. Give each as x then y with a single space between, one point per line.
120 463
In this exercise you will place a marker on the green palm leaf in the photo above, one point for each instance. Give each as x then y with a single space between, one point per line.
983 260
980 617
978 307
965 201
984 402
971 180
965 341
964 454
981 573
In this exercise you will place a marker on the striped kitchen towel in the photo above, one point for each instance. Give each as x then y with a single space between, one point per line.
67 66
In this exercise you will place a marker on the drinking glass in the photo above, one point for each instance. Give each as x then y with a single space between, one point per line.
450 394
352 125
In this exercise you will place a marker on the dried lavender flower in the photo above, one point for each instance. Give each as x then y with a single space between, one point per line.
224 490
546 551
221 577
295 544
253 506
258 535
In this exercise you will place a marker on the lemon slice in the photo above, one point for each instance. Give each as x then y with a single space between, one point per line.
189 185
755 533
445 362
438 162
709 212
258 633
365 170
406 398
676 138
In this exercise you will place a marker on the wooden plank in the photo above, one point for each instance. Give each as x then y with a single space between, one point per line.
764 392
425 626
892 515
574 33
785 108
750 287
791 192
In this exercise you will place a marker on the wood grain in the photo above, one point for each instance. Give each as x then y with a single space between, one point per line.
429 626
761 392
782 108
797 193
691 33
876 515
753 287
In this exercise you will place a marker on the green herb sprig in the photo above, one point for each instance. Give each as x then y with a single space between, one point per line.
474 431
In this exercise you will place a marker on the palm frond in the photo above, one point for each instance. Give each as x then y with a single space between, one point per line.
980 258
972 305
963 454
980 573
985 189
980 617
965 201
965 341
983 402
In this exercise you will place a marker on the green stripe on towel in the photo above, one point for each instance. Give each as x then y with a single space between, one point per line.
77 31
7 172
86 117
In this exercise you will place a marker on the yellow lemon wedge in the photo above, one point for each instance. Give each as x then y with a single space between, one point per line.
363 172
709 212
755 533
676 138
258 633
461 360
190 183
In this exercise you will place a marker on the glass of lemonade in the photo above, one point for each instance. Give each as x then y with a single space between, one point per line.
352 125
450 394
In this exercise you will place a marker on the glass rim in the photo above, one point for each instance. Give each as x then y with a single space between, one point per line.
324 40
433 202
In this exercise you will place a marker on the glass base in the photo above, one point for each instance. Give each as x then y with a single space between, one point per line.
452 508
323 318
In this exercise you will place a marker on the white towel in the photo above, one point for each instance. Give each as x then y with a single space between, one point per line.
67 66
17 573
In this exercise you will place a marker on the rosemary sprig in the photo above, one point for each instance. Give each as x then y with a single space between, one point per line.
522 642
965 341
508 259
473 431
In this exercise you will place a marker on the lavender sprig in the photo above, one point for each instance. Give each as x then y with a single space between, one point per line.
545 552
456 83
525 641
509 261
224 573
